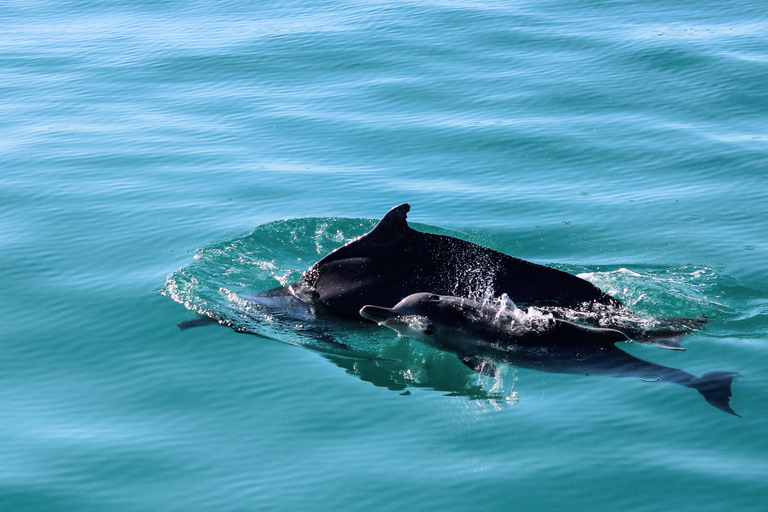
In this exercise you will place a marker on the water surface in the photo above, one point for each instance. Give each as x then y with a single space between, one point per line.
622 142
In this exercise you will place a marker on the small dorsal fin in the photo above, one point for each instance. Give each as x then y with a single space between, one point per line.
391 226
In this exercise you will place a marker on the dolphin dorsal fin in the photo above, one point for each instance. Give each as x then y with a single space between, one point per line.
391 226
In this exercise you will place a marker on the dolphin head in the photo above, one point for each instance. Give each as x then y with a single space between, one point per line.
427 317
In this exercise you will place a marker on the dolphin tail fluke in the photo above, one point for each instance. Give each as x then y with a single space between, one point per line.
716 389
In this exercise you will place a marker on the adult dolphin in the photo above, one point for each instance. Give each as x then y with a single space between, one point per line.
393 261
481 333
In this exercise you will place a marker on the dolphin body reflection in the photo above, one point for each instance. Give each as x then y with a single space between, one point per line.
481 333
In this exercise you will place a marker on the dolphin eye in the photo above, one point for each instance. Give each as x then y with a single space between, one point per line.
429 330
434 297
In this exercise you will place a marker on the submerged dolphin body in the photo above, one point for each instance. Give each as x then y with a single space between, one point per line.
480 334
393 261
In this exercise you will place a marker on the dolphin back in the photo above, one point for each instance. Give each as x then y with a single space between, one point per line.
393 261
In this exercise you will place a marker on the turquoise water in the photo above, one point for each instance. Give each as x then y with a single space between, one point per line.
237 142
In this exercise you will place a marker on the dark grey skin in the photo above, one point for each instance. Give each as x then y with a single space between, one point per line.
480 334
393 261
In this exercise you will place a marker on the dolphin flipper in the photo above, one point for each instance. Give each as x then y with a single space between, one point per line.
671 341
481 366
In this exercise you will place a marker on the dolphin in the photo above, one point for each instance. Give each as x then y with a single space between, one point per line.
481 333
393 261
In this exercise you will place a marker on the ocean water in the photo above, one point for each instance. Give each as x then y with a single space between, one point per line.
223 147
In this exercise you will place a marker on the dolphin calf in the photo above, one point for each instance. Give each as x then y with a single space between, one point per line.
481 333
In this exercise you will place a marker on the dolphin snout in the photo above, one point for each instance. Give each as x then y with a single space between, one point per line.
378 314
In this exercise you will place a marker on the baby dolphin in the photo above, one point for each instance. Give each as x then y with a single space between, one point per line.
481 333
